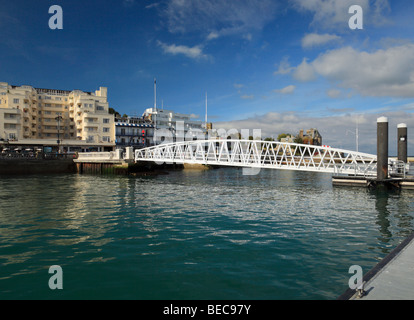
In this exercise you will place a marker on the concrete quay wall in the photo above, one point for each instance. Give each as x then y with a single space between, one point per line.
36 166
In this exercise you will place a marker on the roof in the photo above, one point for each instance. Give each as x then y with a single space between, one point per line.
141 125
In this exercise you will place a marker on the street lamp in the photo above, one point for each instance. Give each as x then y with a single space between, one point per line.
58 119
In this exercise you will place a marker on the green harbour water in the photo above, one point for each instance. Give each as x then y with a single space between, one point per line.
215 234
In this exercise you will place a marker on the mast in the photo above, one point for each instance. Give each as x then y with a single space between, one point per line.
155 94
206 109
356 135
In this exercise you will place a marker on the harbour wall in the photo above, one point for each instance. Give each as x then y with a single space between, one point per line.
36 166
125 168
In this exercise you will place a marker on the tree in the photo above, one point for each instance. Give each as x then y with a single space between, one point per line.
298 140
282 135
113 111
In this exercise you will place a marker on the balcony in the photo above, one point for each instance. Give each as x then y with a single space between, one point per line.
54 131
91 125
15 120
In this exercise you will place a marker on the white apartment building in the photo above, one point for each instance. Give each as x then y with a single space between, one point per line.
65 120
180 125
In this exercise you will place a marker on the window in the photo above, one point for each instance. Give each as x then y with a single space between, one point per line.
105 129
105 120
15 100
99 108
106 138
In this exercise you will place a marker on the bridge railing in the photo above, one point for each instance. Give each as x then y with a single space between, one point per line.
262 154
117 155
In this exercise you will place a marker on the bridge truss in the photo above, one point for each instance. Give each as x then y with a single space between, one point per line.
262 154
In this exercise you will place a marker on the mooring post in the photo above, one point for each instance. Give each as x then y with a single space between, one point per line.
382 148
402 142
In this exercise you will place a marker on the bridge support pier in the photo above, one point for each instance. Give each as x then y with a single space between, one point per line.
382 148
402 142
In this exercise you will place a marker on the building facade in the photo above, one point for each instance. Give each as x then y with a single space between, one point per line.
175 126
312 137
134 132
64 120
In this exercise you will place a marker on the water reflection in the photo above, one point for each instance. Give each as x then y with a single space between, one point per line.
56 211
394 219
383 215
285 225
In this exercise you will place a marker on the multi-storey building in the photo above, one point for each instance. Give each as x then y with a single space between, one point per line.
181 126
65 120
133 132
312 137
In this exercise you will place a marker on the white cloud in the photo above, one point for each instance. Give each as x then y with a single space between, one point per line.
284 67
334 93
218 18
388 72
304 72
152 5
247 97
314 39
195 52
286 90
212 35
333 128
333 14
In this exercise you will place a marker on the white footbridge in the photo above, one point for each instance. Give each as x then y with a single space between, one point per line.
262 154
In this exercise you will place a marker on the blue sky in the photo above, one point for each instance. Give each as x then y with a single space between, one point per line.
279 66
